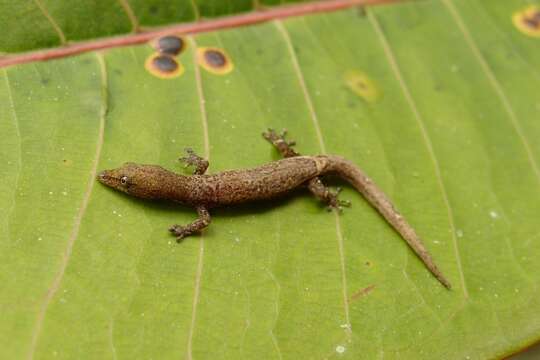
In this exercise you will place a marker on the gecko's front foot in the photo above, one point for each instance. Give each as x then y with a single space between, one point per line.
203 221
195 160
180 232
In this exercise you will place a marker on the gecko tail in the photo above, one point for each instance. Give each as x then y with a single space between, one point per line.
376 197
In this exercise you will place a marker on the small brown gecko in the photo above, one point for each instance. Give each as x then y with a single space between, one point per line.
268 181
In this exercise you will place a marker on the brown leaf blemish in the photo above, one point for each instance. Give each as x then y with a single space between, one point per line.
362 292
360 84
528 20
170 45
214 60
163 66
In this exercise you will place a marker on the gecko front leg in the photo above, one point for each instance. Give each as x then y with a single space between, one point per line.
196 226
180 231
193 159
315 185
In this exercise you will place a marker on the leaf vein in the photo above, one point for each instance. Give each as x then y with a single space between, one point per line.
19 149
316 125
51 20
200 261
425 136
496 86
130 14
53 288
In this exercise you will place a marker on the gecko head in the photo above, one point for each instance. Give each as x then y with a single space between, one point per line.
143 181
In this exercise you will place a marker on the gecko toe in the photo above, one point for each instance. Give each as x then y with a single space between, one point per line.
180 232
177 230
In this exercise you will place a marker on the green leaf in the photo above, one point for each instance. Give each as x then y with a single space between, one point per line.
435 100
35 24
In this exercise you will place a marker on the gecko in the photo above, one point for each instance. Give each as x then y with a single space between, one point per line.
277 178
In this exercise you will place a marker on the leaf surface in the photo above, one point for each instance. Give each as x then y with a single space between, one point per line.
451 135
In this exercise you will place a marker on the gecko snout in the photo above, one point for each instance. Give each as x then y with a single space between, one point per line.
106 177
102 176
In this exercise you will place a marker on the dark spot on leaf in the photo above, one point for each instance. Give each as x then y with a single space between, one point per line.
534 19
45 81
153 9
528 21
117 71
215 60
532 23
163 66
360 84
164 63
171 45
361 293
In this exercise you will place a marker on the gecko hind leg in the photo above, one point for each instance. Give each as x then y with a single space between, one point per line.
315 185
193 159
327 196
202 222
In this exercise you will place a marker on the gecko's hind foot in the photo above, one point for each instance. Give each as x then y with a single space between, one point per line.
180 232
195 160
334 203
278 140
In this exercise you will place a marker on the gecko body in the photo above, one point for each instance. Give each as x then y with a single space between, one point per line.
225 188
265 182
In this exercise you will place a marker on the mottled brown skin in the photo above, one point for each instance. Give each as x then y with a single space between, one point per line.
261 183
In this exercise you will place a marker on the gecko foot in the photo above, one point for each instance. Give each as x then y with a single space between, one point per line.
334 203
193 159
198 225
272 136
327 196
180 232
278 140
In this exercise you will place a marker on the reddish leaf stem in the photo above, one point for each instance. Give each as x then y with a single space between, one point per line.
253 17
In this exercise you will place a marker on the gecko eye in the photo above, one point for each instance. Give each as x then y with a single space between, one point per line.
124 180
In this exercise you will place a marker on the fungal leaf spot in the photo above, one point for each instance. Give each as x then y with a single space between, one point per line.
360 84
163 66
214 60
528 20
169 45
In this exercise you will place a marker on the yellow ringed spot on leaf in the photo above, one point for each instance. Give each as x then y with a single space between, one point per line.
360 84
163 66
214 60
170 45
528 20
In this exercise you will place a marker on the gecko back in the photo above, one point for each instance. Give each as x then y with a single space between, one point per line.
264 182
